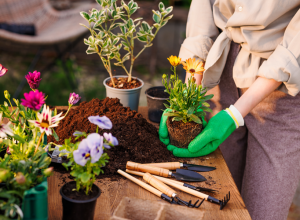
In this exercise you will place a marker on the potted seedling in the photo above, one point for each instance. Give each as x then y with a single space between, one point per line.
114 31
86 158
187 105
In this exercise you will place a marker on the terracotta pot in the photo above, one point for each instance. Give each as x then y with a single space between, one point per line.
128 97
181 134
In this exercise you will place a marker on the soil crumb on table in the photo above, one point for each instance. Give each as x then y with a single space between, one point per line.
138 139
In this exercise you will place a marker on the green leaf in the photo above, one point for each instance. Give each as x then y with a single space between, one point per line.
196 119
55 135
126 57
156 25
99 2
18 138
123 29
156 18
96 170
85 15
169 9
86 42
145 26
75 173
91 50
177 118
168 18
142 38
85 177
161 6
133 10
190 110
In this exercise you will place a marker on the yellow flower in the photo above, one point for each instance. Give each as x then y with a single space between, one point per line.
174 60
193 66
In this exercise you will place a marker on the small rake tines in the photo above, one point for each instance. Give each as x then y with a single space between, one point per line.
189 204
224 201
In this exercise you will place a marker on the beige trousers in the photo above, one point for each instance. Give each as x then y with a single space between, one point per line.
264 155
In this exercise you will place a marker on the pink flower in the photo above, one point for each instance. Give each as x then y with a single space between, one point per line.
74 98
33 79
33 100
3 70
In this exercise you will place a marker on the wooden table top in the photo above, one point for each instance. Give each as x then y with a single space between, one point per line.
114 190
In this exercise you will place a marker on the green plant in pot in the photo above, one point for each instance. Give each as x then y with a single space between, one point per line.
86 158
24 167
113 36
183 119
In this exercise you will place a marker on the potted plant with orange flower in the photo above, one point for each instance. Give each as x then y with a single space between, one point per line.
183 119
157 97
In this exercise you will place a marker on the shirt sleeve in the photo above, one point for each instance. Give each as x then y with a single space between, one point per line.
200 31
284 63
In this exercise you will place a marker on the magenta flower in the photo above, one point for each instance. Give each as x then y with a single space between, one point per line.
33 100
74 98
33 79
3 70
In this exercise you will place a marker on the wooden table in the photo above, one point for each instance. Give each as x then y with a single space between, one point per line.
114 190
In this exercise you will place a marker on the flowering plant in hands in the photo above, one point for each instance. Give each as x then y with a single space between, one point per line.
107 44
187 101
87 156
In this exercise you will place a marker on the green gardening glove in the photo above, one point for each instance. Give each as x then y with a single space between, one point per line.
217 130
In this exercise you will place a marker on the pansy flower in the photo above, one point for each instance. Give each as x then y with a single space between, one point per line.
111 141
102 122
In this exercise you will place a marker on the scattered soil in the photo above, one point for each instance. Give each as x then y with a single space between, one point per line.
181 134
80 195
138 139
122 83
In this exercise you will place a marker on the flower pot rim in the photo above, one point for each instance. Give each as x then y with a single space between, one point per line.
123 76
79 201
153 97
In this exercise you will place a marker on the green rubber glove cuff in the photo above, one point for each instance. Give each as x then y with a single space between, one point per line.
163 130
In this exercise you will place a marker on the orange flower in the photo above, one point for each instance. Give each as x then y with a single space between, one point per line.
174 60
193 66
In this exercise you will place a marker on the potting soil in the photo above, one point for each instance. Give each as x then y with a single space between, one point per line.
138 139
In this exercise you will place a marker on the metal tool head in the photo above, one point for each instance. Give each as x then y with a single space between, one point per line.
189 204
193 176
198 168
224 201
201 189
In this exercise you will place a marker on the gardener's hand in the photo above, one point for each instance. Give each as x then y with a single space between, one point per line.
217 130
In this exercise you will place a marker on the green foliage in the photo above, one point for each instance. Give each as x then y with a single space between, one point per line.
111 17
84 176
187 101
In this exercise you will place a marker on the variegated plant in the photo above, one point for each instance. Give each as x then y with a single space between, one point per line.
107 43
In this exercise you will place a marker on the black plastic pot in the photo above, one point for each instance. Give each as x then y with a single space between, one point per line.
156 97
78 209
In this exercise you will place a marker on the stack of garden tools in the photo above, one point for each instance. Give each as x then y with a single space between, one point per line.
159 178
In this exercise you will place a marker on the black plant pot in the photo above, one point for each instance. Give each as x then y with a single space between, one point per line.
156 97
79 209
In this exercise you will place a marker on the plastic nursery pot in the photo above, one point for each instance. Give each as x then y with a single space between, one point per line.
79 209
35 202
128 97
156 97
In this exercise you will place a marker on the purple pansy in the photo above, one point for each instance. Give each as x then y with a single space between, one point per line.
90 148
74 98
102 122
34 79
110 140
33 100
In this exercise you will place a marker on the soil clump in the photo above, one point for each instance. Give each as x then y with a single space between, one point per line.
181 134
68 191
138 139
122 83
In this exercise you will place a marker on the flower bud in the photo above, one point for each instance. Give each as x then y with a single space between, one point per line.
3 174
172 77
164 76
20 178
6 95
73 98
48 172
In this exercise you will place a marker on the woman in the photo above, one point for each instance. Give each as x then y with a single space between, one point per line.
253 66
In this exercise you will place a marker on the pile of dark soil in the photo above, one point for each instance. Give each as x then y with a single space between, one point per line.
138 139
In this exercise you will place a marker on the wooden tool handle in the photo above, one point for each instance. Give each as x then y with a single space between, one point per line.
140 183
147 169
167 165
159 185
184 189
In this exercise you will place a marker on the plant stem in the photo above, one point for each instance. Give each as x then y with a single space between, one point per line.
68 110
109 71
38 144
